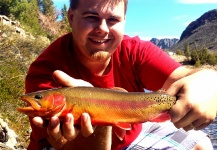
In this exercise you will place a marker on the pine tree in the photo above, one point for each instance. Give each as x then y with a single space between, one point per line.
64 12
29 16
187 51
203 55
7 7
46 7
64 17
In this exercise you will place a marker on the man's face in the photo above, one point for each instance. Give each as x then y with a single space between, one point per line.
97 29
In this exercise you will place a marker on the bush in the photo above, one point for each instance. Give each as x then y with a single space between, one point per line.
212 59
179 52
197 64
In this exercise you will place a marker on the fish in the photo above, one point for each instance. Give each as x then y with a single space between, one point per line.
105 106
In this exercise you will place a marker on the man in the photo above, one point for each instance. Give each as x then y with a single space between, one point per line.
98 54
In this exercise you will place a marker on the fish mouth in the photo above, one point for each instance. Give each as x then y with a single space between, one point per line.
34 108
31 105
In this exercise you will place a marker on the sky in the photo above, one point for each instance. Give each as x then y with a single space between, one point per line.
159 18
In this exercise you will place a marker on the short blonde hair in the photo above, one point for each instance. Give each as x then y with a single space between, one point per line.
74 4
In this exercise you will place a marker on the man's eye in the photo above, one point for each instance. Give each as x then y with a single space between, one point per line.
113 20
91 18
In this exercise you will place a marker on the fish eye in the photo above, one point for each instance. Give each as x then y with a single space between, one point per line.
38 96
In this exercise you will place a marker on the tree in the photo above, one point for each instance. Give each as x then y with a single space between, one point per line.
46 7
29 17
7 7
187 51
212 59
64 12
203 55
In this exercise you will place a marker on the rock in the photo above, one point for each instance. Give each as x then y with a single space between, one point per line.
7 136
5 147
164 43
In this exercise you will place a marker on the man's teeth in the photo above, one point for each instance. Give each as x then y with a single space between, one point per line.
99 41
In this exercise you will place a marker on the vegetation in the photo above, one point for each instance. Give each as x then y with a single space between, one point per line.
16 54
198 56
39 17
42 23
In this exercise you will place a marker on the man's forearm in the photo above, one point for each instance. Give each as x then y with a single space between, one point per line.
99 140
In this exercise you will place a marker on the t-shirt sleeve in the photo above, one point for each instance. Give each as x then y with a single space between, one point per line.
153 65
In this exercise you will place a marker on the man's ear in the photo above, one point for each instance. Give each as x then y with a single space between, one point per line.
70 16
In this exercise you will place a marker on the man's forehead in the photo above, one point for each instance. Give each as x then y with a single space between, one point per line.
103 4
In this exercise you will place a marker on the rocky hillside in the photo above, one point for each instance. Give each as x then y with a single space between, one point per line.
201 32
16 53
164 43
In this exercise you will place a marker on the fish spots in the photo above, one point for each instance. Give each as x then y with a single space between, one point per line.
163 99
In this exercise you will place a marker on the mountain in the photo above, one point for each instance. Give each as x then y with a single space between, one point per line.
164 43
201 32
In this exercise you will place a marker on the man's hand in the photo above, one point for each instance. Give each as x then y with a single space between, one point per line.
196 105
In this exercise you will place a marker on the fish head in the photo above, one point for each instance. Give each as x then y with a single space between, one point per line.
43 103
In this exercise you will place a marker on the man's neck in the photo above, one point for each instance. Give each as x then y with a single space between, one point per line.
99 68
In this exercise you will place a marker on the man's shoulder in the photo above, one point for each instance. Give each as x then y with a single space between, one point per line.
135 43
56 53
128 38
62 41
135 40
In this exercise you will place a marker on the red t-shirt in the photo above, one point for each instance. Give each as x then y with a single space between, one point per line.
135 65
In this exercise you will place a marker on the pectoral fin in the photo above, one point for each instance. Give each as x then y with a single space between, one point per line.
124 126
120 133
120 130
161 117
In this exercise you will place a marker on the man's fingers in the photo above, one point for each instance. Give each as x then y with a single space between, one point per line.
69 131
55 133
53 129
86 127
65 80
39 122
176 112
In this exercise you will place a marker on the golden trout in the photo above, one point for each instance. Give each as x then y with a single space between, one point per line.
105 106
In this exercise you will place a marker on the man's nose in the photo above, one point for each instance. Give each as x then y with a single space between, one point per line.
103 26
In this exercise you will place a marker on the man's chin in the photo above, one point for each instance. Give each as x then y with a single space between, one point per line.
101 56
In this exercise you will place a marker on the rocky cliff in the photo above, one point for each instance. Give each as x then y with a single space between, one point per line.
202 32
164 43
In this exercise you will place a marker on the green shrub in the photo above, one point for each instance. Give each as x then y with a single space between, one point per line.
197 64
179 52
212 59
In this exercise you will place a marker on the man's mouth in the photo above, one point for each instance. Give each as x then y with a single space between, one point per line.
99 41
